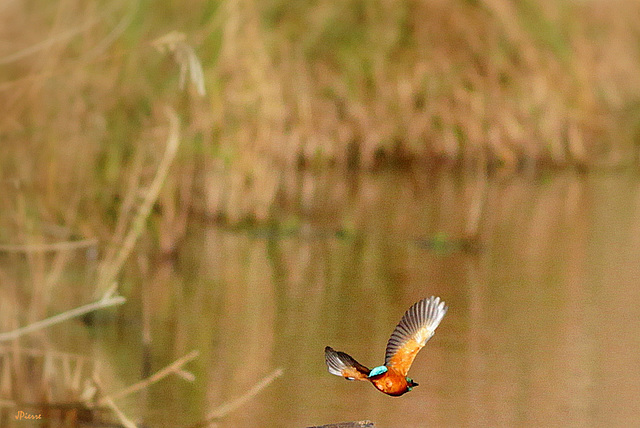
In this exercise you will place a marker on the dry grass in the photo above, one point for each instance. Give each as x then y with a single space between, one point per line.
355 84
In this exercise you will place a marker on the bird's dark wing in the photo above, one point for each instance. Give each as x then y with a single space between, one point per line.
413 331
341 364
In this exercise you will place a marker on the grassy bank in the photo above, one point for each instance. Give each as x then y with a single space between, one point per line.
353 83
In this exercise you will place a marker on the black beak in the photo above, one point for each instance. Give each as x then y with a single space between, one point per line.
414 384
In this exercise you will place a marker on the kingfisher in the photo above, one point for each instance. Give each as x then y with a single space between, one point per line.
413 331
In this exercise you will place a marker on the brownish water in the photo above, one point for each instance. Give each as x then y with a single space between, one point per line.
543 327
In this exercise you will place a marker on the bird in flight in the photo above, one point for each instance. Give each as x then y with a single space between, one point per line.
413 331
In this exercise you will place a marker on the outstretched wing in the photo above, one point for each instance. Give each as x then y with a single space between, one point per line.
413 331
341 364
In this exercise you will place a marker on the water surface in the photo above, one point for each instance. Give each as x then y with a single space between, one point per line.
543 327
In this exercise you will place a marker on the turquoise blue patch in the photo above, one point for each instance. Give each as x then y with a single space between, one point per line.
378 371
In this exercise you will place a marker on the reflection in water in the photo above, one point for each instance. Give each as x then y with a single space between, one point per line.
543 326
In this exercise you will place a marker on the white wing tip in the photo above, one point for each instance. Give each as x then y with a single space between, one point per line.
435 311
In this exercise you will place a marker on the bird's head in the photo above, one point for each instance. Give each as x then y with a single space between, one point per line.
411 383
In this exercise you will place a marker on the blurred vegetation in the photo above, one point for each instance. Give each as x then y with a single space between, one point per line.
350 84
272 95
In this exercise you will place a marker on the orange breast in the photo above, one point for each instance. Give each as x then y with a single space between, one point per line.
391 382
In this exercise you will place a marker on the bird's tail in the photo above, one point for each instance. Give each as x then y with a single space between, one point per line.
341 364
